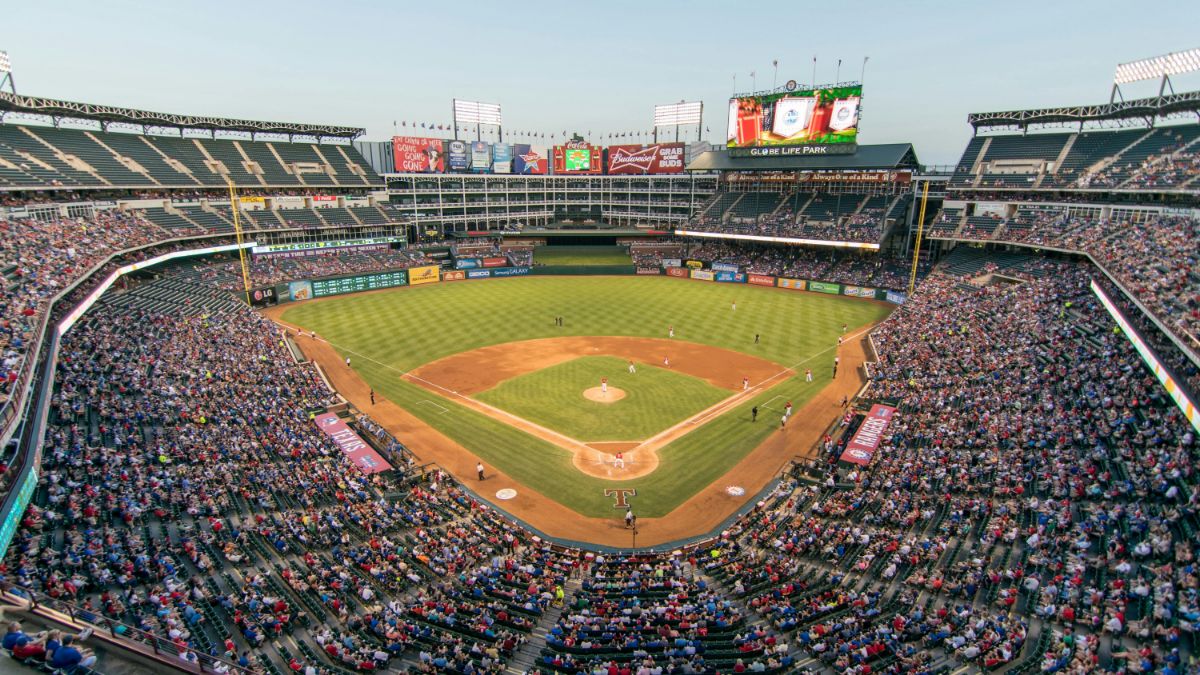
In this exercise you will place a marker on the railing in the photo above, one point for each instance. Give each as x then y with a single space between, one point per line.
120 635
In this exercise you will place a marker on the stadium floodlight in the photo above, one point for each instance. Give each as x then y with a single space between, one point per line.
5 64
474 112
1157 67
675 114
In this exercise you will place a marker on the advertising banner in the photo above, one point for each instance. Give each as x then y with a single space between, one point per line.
529 160
803 117
495 262
333 243
730 277
262 296
648 271
694 264
760 280
453 275
324 200
577 157
896 297
724 267
478 274
413 154
300 290
481 157
822 287
354 448
866 440
510 272
457 156
466 263
644 159
794 284
858 291
423 275
502 158
672 262
703 275
677 272
252 203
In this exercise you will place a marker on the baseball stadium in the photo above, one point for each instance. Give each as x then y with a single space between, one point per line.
714 386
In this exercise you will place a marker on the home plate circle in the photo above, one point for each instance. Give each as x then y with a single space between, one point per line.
735 490
506 494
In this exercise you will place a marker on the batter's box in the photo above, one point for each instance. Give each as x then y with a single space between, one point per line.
441 410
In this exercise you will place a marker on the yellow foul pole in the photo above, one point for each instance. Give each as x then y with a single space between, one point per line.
237 229
912 278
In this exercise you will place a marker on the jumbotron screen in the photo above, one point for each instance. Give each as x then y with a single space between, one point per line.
578 159
804 121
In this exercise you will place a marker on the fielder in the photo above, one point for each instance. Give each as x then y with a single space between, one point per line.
745 383
632 370
604 385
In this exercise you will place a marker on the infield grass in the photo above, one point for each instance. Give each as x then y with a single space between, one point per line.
581 255
655 399
391 332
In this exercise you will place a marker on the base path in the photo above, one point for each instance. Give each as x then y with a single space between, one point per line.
700 514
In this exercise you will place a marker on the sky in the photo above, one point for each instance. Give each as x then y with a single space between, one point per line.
586 67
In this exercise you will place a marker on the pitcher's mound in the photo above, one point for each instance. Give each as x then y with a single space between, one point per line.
612 396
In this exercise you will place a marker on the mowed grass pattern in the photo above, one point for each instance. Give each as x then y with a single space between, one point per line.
581 255
655 399
393 331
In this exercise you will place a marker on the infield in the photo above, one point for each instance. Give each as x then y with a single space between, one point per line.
655 398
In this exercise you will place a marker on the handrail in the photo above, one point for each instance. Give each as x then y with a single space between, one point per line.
119 635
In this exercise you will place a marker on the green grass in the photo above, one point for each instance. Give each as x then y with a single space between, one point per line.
394 331
655 399
581 255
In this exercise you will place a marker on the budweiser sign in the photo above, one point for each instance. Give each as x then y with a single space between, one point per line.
641 159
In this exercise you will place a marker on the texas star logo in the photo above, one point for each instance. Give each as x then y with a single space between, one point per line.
642 159
860 454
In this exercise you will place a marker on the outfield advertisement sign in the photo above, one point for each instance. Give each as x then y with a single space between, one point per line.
481 157
724 267
502 158
318 245
730 277
822 287
352 446
677 272
866 440
694 264
423 275
494 262
478 274
760 280
794 284
703 275
457 156
896 297
672 262
510 272
648 271
453 275
858 291
466 263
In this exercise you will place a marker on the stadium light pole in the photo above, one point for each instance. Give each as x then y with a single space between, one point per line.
6 72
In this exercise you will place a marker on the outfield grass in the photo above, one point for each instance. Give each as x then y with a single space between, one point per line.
581 255
655 399
394 331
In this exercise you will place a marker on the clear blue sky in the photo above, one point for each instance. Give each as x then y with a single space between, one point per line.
575 66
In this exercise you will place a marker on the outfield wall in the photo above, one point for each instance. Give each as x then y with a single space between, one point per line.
720 273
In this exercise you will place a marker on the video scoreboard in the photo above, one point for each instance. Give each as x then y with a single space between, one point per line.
360 282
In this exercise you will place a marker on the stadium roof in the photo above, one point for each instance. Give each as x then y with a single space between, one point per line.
867 157
1142 109
34 105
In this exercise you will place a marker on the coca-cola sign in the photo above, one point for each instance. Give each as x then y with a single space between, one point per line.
643 159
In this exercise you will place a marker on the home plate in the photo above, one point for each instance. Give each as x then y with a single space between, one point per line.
506 494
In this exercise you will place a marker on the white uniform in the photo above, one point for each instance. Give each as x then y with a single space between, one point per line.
604 386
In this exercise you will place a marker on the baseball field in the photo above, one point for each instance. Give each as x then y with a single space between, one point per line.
486 365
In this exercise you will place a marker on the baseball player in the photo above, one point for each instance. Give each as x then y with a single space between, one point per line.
619 460
479 469
347 361
782 422
733 305
836 360
670 331
808 375
666 362
632 370
745 383
604 385
787 409
839 340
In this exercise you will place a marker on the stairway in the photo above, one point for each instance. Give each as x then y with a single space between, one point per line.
526 657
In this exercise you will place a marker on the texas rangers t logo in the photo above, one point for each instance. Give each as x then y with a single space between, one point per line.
621 495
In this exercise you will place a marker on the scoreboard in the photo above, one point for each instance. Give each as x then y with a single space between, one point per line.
360 282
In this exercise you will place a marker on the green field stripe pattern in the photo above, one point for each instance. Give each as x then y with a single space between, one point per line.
391 332
655 399
581 255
